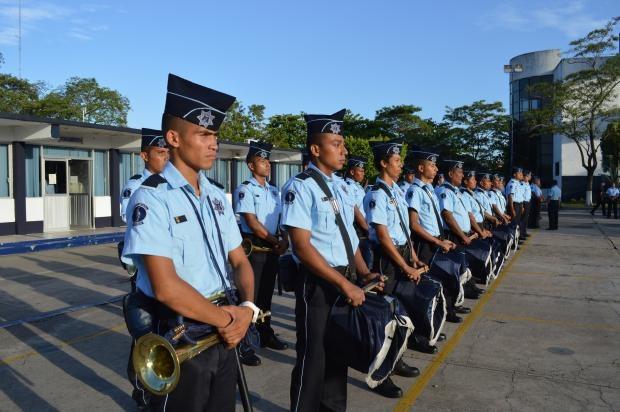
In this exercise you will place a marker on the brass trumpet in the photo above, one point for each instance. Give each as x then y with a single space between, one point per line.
158 364
249 247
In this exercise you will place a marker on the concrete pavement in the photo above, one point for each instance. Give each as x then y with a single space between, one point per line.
545 337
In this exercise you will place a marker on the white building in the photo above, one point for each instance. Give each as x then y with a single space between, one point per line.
58 175
548 156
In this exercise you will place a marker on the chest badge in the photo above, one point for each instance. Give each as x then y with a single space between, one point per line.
218 206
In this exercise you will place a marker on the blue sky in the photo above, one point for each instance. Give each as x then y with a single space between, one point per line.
315 56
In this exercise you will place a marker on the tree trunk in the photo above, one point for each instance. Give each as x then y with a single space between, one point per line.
589 185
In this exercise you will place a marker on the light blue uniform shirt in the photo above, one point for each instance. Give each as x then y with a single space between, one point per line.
163 223
404 186
356 192
555 193
381 210
130 188
450 199
472 204
421 197
527 191
611 192
484 198
536 190
306 207
262 201
500 199
515 189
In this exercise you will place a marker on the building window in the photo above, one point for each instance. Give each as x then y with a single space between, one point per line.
55 177
102 188
242 173
138 164
124 165
33 171
4 171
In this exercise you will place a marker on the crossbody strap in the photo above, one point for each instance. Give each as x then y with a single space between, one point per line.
437 216
339 222
204 234
400 217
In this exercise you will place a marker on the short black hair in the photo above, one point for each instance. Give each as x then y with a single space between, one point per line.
377 160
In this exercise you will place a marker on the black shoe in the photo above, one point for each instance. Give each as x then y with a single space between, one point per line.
402 369
472 294
462 309
250 358
442 337
271 341
388 389
452 318
423 347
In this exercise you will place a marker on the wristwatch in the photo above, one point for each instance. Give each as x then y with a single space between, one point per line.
254 308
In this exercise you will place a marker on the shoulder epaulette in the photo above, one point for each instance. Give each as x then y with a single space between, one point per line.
302 176
247 182
154 181
215 183
447 186
462 190
375 187
135 177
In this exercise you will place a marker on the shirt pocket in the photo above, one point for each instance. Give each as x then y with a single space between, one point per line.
188 241
325 215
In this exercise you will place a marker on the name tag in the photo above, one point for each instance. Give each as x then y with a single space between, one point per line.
180 219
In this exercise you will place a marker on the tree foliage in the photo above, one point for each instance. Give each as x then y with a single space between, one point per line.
580 106
482 131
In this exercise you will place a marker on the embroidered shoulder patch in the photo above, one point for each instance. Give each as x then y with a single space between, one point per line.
289 197
139 213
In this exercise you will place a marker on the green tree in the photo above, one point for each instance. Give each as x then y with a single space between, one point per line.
482 129
401 121
19 95
243 123
83 99
359 126
610 148
286 131
581 106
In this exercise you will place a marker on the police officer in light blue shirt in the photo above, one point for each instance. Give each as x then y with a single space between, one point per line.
388 217
354 177
527 196
499 201
473 206
182 236
485 198
154 153
258 205
514 196
553 208
453 210
408 176
319 381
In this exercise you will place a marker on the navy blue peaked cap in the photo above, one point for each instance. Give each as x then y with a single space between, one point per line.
196 104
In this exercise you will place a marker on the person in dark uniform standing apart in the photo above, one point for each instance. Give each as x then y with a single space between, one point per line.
182 235
354 177
600 198
258 204
319 381
553 208
155 155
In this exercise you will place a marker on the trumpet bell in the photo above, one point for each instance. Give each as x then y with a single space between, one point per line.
156 364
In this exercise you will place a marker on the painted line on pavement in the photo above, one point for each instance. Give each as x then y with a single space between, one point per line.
409 399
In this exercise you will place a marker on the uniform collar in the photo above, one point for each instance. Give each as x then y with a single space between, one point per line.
420 183
350 180
146 173
255 182
176 179
385 183
450 186
329 179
